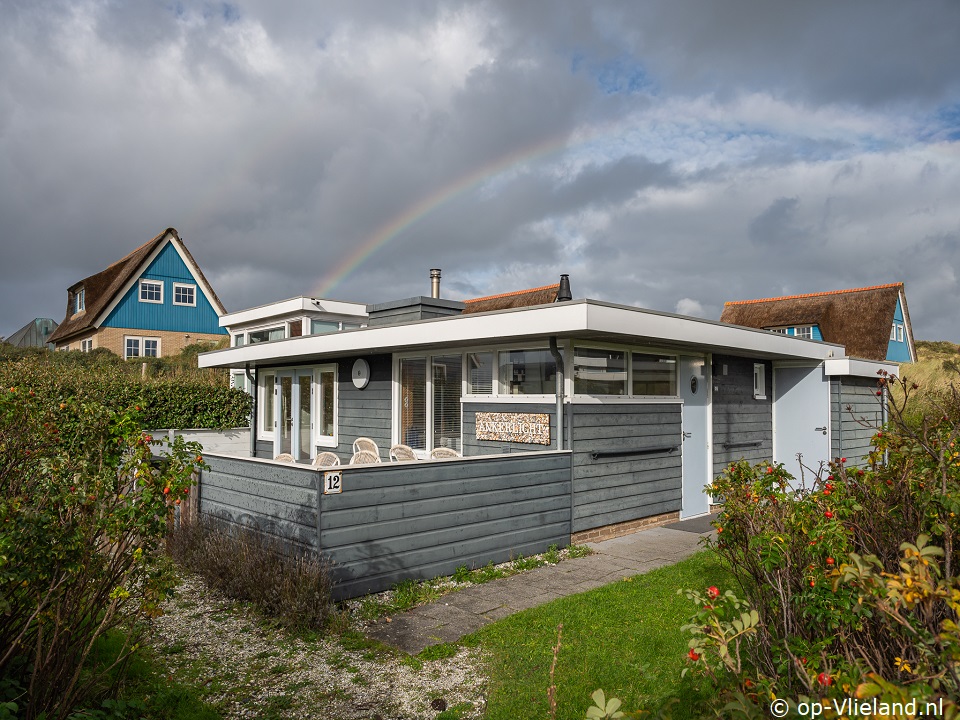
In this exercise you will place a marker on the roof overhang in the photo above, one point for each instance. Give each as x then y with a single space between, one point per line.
586 319
858 367
293 306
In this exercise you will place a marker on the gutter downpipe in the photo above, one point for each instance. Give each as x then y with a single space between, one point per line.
558 359
252 379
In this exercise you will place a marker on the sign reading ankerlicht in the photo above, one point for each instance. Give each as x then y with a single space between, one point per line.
514 427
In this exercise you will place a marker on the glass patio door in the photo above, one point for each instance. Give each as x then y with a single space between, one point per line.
294 413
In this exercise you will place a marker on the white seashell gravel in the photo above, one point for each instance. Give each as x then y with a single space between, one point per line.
249 669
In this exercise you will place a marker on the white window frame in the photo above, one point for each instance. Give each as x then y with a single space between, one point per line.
86 345
797 329
79 301
629 350
900 332
428 389
151 282
140 340
328 441
759 381
496 395
179 285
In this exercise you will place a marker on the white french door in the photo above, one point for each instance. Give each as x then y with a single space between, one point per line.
293 416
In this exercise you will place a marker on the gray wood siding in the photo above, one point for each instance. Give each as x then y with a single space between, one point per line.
618 489
740 420
398 521
855 416
277 499
426 519
265 449
472 446
364 413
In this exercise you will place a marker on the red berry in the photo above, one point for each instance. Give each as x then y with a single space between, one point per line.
769 470
813 583
830 561
166 491
693 655
186 491
828 515
843 460
713 592
824 679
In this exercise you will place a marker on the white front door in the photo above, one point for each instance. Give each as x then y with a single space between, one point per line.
801 419
694 378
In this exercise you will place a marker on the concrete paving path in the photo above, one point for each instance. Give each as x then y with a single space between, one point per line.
465 611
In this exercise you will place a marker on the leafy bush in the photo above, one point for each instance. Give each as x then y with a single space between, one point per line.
178 401
847 587
248 565
82 514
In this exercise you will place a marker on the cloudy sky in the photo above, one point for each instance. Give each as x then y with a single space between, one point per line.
670 154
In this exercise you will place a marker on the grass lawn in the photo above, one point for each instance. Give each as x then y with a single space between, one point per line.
624 638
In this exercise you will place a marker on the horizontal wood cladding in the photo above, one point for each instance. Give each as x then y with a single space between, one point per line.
623 488
279 500
473 446
425 519
739 419
398 521
856 414
366 412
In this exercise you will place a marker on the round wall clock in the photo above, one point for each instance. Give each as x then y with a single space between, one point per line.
360 373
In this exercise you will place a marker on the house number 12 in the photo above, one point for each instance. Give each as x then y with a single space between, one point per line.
332 482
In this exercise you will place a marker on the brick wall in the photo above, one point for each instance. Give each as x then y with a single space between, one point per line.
616 530
171 343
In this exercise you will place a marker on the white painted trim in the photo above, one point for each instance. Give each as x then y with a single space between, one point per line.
177 285
193 269
617 400
578 317
262 433
510 399
318 439
858 368
133 280
298 305
140 340
708 378
151 281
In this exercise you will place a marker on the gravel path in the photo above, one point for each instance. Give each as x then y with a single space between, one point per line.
252 670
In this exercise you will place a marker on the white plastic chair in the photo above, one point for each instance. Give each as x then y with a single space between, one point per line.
444 452
364 457
402 453
326 459
365 443
285 457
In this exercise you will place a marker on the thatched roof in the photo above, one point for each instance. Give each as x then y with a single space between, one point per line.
517 298
100 289
859 319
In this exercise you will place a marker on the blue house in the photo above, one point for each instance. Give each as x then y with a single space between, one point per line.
150 303
872 323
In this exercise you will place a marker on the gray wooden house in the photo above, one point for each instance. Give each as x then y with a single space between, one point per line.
574 418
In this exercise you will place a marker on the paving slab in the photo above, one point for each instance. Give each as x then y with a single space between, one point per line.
461 613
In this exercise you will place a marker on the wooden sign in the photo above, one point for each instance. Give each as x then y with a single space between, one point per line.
514 427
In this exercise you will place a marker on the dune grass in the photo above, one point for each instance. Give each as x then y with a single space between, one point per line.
624 638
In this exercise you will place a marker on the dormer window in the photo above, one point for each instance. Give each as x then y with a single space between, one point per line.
79 301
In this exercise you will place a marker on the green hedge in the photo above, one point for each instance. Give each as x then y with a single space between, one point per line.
188 399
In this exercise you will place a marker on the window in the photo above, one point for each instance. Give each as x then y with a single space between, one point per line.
599 372
239 380
805 331
893 333
327 406
480 373
141 347
759 381
265 428
266 335
779 331
184 294
527 372
86 345
653 374
899 333
151 291
318 327
79 301
239 340
429 401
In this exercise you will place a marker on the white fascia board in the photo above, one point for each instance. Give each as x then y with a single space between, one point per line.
858 367
465 329
708 334
293 306
569 318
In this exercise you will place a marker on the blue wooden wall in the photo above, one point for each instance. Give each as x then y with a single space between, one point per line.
899 351
168 268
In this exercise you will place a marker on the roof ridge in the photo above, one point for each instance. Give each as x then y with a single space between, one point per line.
514 292
816 294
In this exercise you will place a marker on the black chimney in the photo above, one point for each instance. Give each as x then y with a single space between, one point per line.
563 293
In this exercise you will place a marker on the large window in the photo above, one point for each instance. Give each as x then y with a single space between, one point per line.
527 372
599 372
653 374
429 402
326 423
480 373
151 291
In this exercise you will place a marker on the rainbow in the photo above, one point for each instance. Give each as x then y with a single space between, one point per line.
410 216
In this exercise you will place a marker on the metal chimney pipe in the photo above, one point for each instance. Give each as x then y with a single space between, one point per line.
563 292
435 282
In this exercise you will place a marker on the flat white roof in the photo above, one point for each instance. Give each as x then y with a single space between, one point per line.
584 319
295 305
